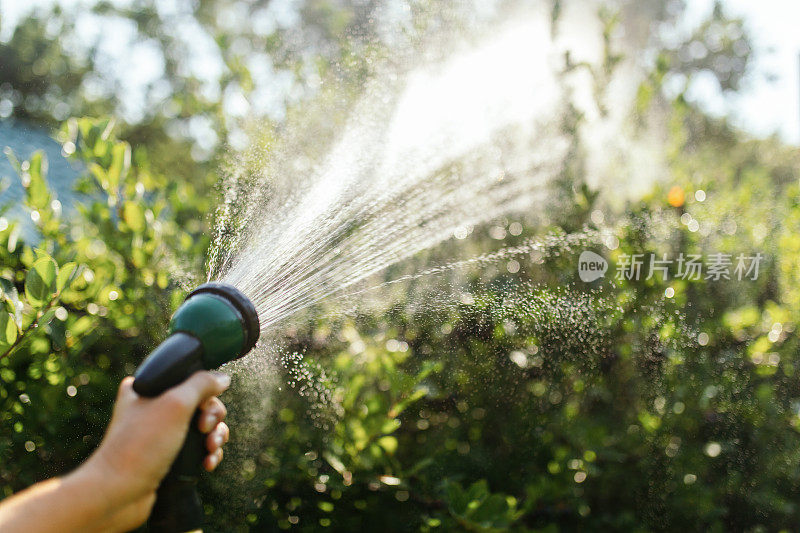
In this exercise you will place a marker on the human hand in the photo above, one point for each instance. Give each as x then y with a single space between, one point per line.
144 437
114 490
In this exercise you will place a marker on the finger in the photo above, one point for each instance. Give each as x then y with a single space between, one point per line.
212 412
218 437
199 386
125 394
125 390
212 460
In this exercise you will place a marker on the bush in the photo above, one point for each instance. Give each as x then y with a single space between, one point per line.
86 302
604 406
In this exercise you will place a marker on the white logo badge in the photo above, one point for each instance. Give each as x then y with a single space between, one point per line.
591 266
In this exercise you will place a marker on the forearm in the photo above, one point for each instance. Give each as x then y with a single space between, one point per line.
78 502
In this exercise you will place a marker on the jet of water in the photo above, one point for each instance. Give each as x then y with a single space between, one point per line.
424 155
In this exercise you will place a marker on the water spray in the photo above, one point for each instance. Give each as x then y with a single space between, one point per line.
214 325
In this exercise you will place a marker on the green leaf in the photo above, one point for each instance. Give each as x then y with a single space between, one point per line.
40 254
11 296
334 461
133 214
456 498
492 511
66 275
413 397
8 330
57 331
478 491
390 426
8 290
428 367
120 163
85 128
100 149
38 194
47 317
100 175
12 158
40 282
82 325
388 443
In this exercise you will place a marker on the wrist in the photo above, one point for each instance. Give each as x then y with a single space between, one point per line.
82 501
95 493
100 490
109 501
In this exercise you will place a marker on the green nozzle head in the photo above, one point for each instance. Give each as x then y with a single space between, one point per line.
216 324
222 319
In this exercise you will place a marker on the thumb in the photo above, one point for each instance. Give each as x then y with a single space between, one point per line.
201 385
125 395
125 392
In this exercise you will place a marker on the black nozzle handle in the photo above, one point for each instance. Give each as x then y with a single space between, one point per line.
177 508
170 364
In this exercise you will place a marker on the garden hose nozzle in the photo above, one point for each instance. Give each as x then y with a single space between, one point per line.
214 325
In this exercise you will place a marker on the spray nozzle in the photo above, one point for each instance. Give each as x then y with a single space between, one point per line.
248 316
214 325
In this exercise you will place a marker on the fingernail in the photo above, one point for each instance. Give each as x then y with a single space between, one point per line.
218 440
223 379
213 460
208 422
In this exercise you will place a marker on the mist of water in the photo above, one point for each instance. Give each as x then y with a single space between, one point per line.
427 153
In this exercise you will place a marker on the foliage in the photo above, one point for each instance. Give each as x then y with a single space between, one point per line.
537 403
73 331
476 509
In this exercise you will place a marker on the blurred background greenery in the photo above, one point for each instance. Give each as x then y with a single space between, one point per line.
537 404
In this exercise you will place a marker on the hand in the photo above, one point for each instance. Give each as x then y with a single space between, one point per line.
144 437
114 490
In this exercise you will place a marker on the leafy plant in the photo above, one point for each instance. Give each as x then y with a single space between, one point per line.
83 302
477 509
44 283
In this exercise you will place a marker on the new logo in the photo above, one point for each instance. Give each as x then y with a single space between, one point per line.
591 266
